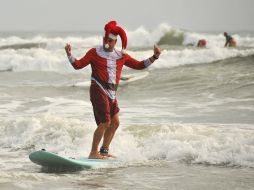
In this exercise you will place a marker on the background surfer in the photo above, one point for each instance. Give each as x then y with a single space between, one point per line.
230 41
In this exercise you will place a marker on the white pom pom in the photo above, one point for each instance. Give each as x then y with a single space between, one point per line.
106 46
123 51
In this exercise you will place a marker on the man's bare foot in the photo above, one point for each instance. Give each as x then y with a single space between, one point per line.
107 155
96 155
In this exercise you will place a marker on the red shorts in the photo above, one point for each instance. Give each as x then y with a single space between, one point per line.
104 108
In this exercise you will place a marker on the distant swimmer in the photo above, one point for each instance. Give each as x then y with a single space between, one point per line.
202 43
230 41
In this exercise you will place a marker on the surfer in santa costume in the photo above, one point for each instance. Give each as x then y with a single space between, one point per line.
107 63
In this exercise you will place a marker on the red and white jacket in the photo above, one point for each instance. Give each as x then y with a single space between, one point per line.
107 67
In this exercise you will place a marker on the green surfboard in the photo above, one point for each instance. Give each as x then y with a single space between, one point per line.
54 161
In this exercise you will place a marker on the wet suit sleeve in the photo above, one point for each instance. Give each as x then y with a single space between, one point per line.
84 61
135 64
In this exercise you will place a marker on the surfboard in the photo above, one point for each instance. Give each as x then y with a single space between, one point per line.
55 161
125 79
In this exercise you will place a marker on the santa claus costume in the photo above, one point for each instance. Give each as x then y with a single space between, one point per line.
106 71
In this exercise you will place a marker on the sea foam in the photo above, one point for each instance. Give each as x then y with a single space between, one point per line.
42 53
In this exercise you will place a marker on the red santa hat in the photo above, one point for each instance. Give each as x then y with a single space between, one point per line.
112 30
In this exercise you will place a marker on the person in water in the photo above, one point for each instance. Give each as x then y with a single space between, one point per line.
230 41
107 63
202 43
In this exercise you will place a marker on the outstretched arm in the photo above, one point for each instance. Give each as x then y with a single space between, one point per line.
77 64
133 63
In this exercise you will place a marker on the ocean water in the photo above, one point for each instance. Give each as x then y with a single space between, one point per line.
188 125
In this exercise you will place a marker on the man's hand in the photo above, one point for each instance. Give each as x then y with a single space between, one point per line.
157 51
68 49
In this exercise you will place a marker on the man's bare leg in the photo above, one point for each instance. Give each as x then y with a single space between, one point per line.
98 133
110 132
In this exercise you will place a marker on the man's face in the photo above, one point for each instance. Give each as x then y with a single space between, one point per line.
111 44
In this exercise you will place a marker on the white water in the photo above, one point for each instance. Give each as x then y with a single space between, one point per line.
57 127
52 56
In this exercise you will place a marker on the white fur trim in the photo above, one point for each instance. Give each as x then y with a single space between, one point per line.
147 62
112 36
114 55
71 59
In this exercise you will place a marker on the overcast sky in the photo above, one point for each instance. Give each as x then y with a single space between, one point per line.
195 15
